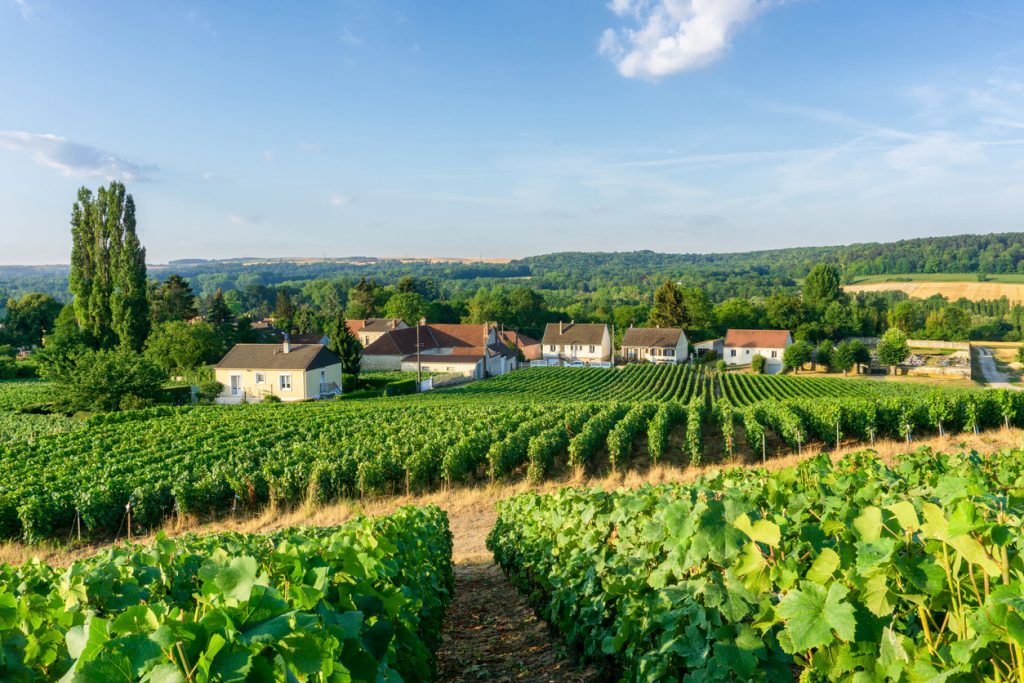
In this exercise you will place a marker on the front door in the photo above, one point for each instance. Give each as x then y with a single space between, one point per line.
236 385
323 381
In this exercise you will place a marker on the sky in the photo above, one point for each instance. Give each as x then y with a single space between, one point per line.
505 128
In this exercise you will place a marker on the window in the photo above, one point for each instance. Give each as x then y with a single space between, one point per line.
775 354
732 352
285 382
551 348
669 352
591 348
747 351
261 378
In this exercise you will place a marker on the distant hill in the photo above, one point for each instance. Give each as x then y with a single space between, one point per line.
753 273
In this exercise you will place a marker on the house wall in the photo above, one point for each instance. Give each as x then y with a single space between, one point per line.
332 376
744 356
567 352
253 391
641 353
381 362
463 369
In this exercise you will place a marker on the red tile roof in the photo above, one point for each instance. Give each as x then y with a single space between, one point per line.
760 339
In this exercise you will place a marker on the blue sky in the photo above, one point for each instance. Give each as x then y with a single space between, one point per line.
502 128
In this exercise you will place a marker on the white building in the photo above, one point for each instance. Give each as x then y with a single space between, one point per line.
741 346
655 344
576 342
292 372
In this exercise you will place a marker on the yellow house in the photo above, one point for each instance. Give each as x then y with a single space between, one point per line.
292 372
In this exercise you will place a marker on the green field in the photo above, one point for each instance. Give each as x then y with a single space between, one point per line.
208 460
853 571
359 602
1009 278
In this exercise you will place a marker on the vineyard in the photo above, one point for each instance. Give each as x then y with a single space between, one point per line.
141 468
362 601
846 571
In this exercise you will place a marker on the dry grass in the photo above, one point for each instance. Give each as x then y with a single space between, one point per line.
973 291
471 509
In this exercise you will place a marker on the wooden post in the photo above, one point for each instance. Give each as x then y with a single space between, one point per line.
128 509
763 449
78 523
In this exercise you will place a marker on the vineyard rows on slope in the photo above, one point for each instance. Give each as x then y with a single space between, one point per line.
362 601
207 460
847 571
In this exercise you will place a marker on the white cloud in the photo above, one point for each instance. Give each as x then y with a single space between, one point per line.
934 152
339 200
268 155
72 158
675 35
239 219
26 9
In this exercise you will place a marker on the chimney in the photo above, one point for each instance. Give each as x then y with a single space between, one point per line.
560 327
287 346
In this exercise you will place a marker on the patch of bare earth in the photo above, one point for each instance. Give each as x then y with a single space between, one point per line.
492 634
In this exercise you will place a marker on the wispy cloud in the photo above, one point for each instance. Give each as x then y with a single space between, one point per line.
27 10
240 219
349 38
675 35
72 158
339 200
268 155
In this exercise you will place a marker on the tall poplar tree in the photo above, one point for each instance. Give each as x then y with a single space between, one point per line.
108 268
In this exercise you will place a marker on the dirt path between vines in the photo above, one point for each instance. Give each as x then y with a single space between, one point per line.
492 634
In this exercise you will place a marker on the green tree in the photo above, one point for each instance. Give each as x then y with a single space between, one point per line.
363 299
1020 354
217 311
823 354
906 315
284 311
892 348
107 379
843 357
784 311
344 344
407 306
108 268
172 299
822 286
736 313
30 317
757 364
796 355
180 347
669 307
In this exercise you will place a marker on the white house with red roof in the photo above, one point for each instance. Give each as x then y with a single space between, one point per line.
740 347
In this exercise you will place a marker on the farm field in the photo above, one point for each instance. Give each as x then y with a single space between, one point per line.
1017 278
360 601
853 570
211 460
952 290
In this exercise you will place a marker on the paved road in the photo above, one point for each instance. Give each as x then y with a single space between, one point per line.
989 371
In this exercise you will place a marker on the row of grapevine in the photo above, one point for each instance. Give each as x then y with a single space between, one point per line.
363 601
846 571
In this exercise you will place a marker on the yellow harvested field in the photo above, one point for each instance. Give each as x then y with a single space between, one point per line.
974 291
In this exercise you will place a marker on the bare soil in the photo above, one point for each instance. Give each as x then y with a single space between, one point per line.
492 634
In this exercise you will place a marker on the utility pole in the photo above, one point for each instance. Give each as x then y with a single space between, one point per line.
419 368
613 345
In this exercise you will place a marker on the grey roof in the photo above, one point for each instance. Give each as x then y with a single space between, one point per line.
652 337
273 357
574 333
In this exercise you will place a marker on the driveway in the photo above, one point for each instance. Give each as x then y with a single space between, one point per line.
990 373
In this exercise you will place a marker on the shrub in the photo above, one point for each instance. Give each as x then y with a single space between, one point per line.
757 363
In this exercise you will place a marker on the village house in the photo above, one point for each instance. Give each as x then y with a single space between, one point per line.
371 329
528 346
574 343
712 346
292 372
468 350
655 344
741 346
